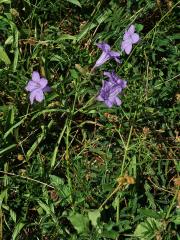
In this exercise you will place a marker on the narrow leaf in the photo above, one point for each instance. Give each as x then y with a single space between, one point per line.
36 143
5 1
13 127
17 230
75 2
3 56
3 150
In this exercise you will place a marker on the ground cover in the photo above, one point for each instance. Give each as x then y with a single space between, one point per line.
74 162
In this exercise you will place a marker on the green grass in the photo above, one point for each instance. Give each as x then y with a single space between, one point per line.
70 168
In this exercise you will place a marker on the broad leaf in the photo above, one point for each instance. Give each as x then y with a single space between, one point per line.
79 222
93 216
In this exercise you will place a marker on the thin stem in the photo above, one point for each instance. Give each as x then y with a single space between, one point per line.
126 150
1 223
27 178
117 210
105 201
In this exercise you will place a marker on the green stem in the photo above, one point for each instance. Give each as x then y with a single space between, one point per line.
67 158
172 204
117 210
105 201
126 150
27 178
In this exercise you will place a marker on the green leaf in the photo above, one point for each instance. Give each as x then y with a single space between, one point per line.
3 150
139 27
17 230
80 222
41 137
149 213
13 127
46 111
13 215
103 16
56 181
76 2
53 159
9 40
93 216
3 56
149 195
44 207
178 166
10 117
147 230
66 37
3 195
110 234
87 28
5 1
63 189
16 51
49 211
176 220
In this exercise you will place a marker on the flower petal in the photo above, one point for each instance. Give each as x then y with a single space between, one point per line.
32 96
108 74
117 60
135 38
99 98
104 46
126 35
31 86
131 29
115 90
114 54
117 101
126 46
123 84
107 85
35 77
102 59
39 95
113 78
43 82
108 103
46 89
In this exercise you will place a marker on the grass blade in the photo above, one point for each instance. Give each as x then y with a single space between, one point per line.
36 143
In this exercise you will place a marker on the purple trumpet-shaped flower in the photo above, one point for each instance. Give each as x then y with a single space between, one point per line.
129 38
37 86
110 89
114 79
108 94
106 54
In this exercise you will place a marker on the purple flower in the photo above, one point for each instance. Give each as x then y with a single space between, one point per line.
106 54
110 89
108 94
114 79
129 38
37 86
